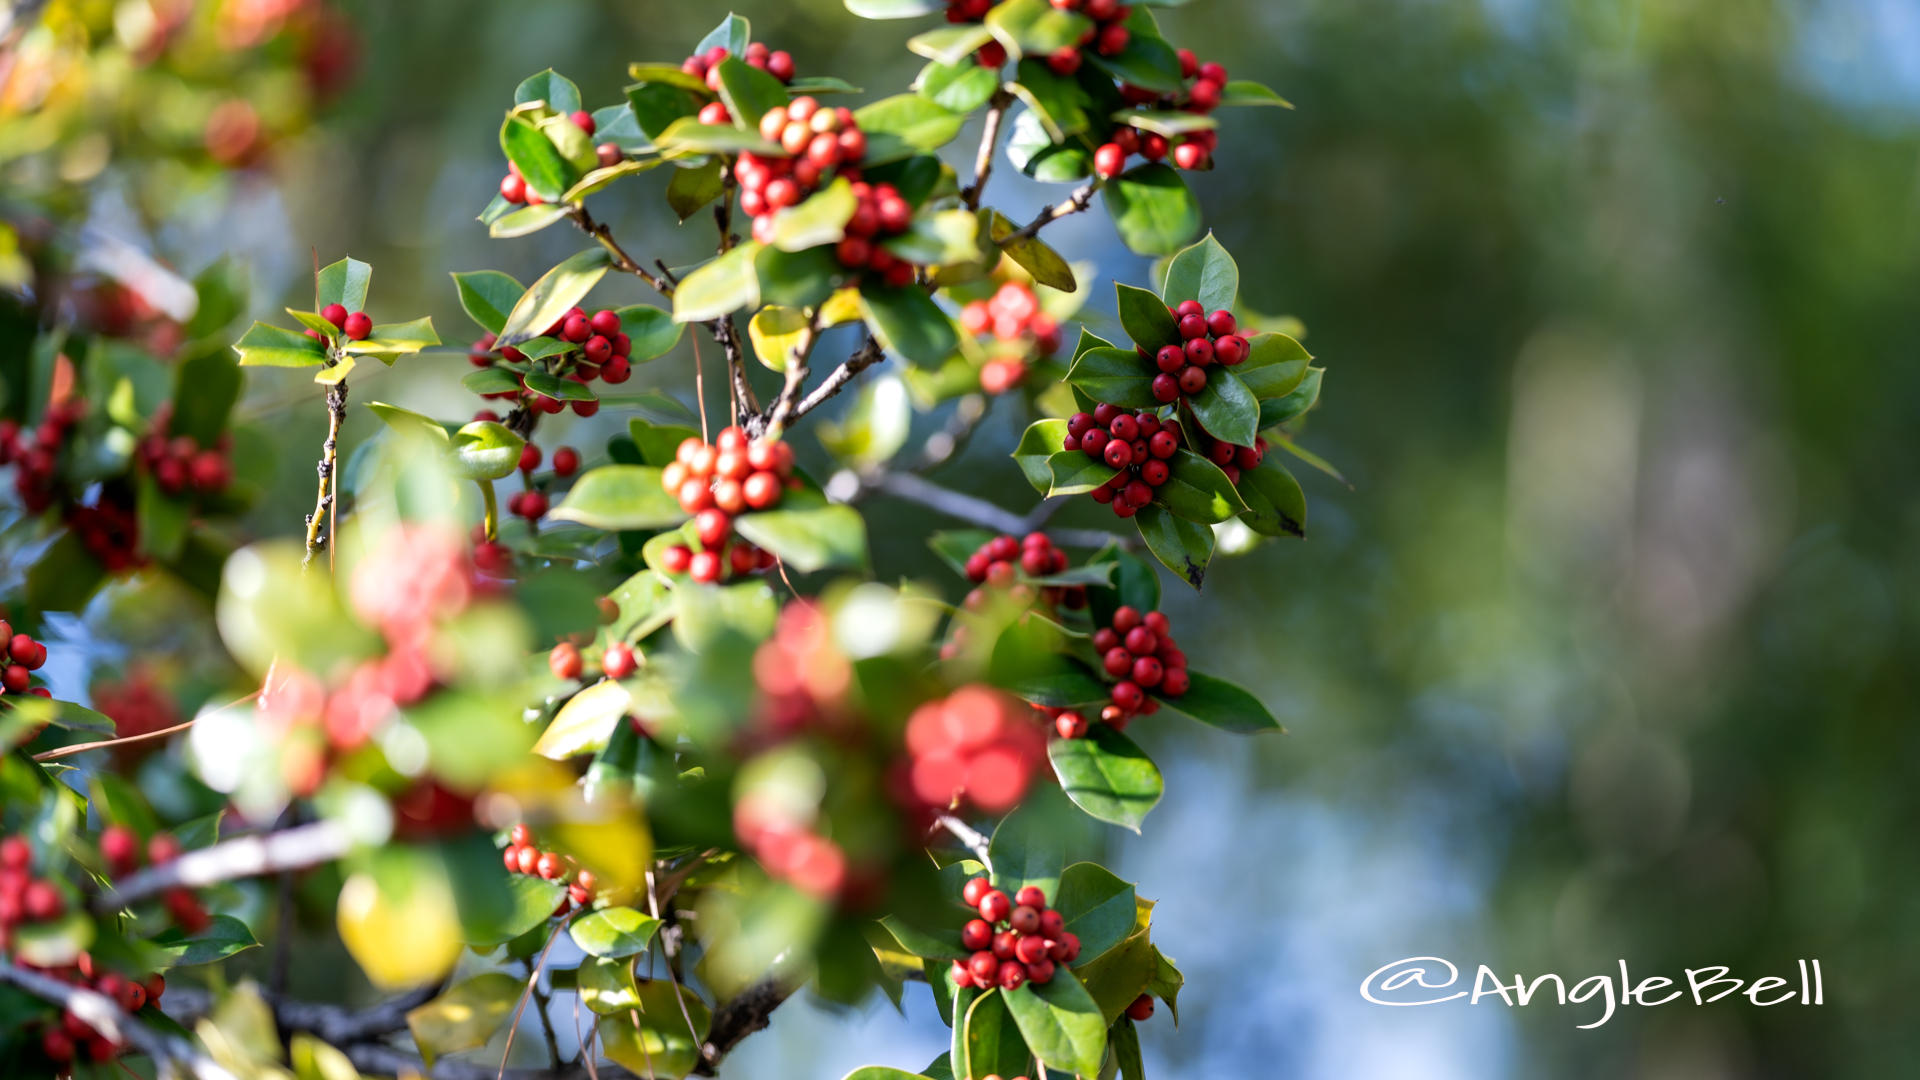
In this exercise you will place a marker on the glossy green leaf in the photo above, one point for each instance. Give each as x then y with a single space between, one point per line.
1032 150
1167 982
1225 407
776 332
1243 92
493 380
721 287
540 348
554 386
466 1016
1097 906
645 606
1108 776
1116 377
1028 849
1274 367
1198 490
1076 472
950 45
558 91
36 710
894 9
657 104
904 125
821 219
1152 208
488 296
558 290
607 986
821 84
408 422
620 125
668 75
1221 704
691 189
619 497
1275 504
799 278
733 33
1126 1050
1146 318
1277 411
940 943
1184 547
599 179
960 85
908 322
1058 101
265 345
687 136
993 1040
1164 122
485 450
809 539
1035 27
749 93
651 331
942 238
222 938
1147 61
543 166
205 390
345 283
390 341
1061 1023
1203 272
1118 977
1135 583
1033 255
1041 440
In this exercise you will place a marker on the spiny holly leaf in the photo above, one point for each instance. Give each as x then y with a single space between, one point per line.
222 938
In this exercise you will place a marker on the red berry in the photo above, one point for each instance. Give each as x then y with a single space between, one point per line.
1153 146
1189 63
1066 948
705 567
1147 672
564 661
1142 1008
1157 622
40 901
513 188
1108 160
1190 155
1141 641
1070 725
529 458
1174 682
576 328
1193 380
1052 923
1230 350
57 1045
1118 661
619 661
974 889
1165 387
1065 60
1029 949
1170 358
1205 95
1155 472
608 154
566 461
984 966
521 836
1124 427
120 847
584 121
1247 457
358 326
550 866
995 906
1118 454
713 527
1212 72
1024 920
597 349
1189 307
676 559
1013 975
1040 970
961 974
780 66
1003 944
163 848
1138 493
1193 326
335 314
616 370
976 935
992 55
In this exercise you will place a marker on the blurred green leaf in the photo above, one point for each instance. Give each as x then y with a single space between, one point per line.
1076 472
465 1017
821 84
65 576
1035 27
704 613
775 332
526 221
720 287
1221 704
733 34
35 709
1028 848
942 238
584 723
614 932
53 943
645 606
1108 776
799 278
994 1043
907 321
904 125
408 422
1097 906
1242 92
959 85
558 91
1170 124
162 519
491 380
606 985
691 189
821 219
1034 256
619 125
660 1044
895 9
1152 208
204 393
748 92
950 45
809 539
687 136
1147 61
651 331
620 497
658 443
661 100
873 428
1058 101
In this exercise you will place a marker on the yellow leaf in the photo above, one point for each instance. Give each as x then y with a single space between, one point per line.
315 1060
584 722
464 1017
400 941
776 332
841 308
332 376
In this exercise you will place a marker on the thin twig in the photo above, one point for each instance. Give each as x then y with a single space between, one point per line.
1078 201
319 532
979 511
621 260
106 1017
974 841
796 361
533 982
59 752
989 142
246 856
746 405
869 354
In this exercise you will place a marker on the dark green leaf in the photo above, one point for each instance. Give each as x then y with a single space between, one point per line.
488 296
1242 92
204 394
954 548
904 125
749 93
994 1045
1275 504
1167 982
656 105
620 497
65 577
720 287
1226 409
1146 62
559 92
546 170
1277 411
1146 318
821 84
809 539
1036 27
1203 272
1221 704
265 345
1126 1050
952 44
1108 776
907 321
497 208
222 291
1152 208
733 33
1116 377
493 380
1042 440
1058 101
1097 906
942 943
614 932
916 177
550 297
691 189
651 331
345 283
687 136
1028 848
36 710
1184 546
1163 122
526 221
617 124
1309 457
1274 366
961 87
390 341
1076 472
658 442
222 938
1135 583
799 279
1061 1023
554 386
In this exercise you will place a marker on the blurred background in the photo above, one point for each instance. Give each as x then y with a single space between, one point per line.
1599 657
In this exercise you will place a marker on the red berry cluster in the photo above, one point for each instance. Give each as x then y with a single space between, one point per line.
602 353
1233 460
801 674
1108 37
513 186
532 502
38 455
1012 317
789 850
777 63
1139 651
1138 444
1014 941
1192 150
180 462
714 483
67 1040
354 324
136 704
24 656
523 856
1205 338
973 744
24 898
109 529
816 138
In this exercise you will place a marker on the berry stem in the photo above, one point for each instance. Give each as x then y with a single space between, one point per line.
989 143
868 355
